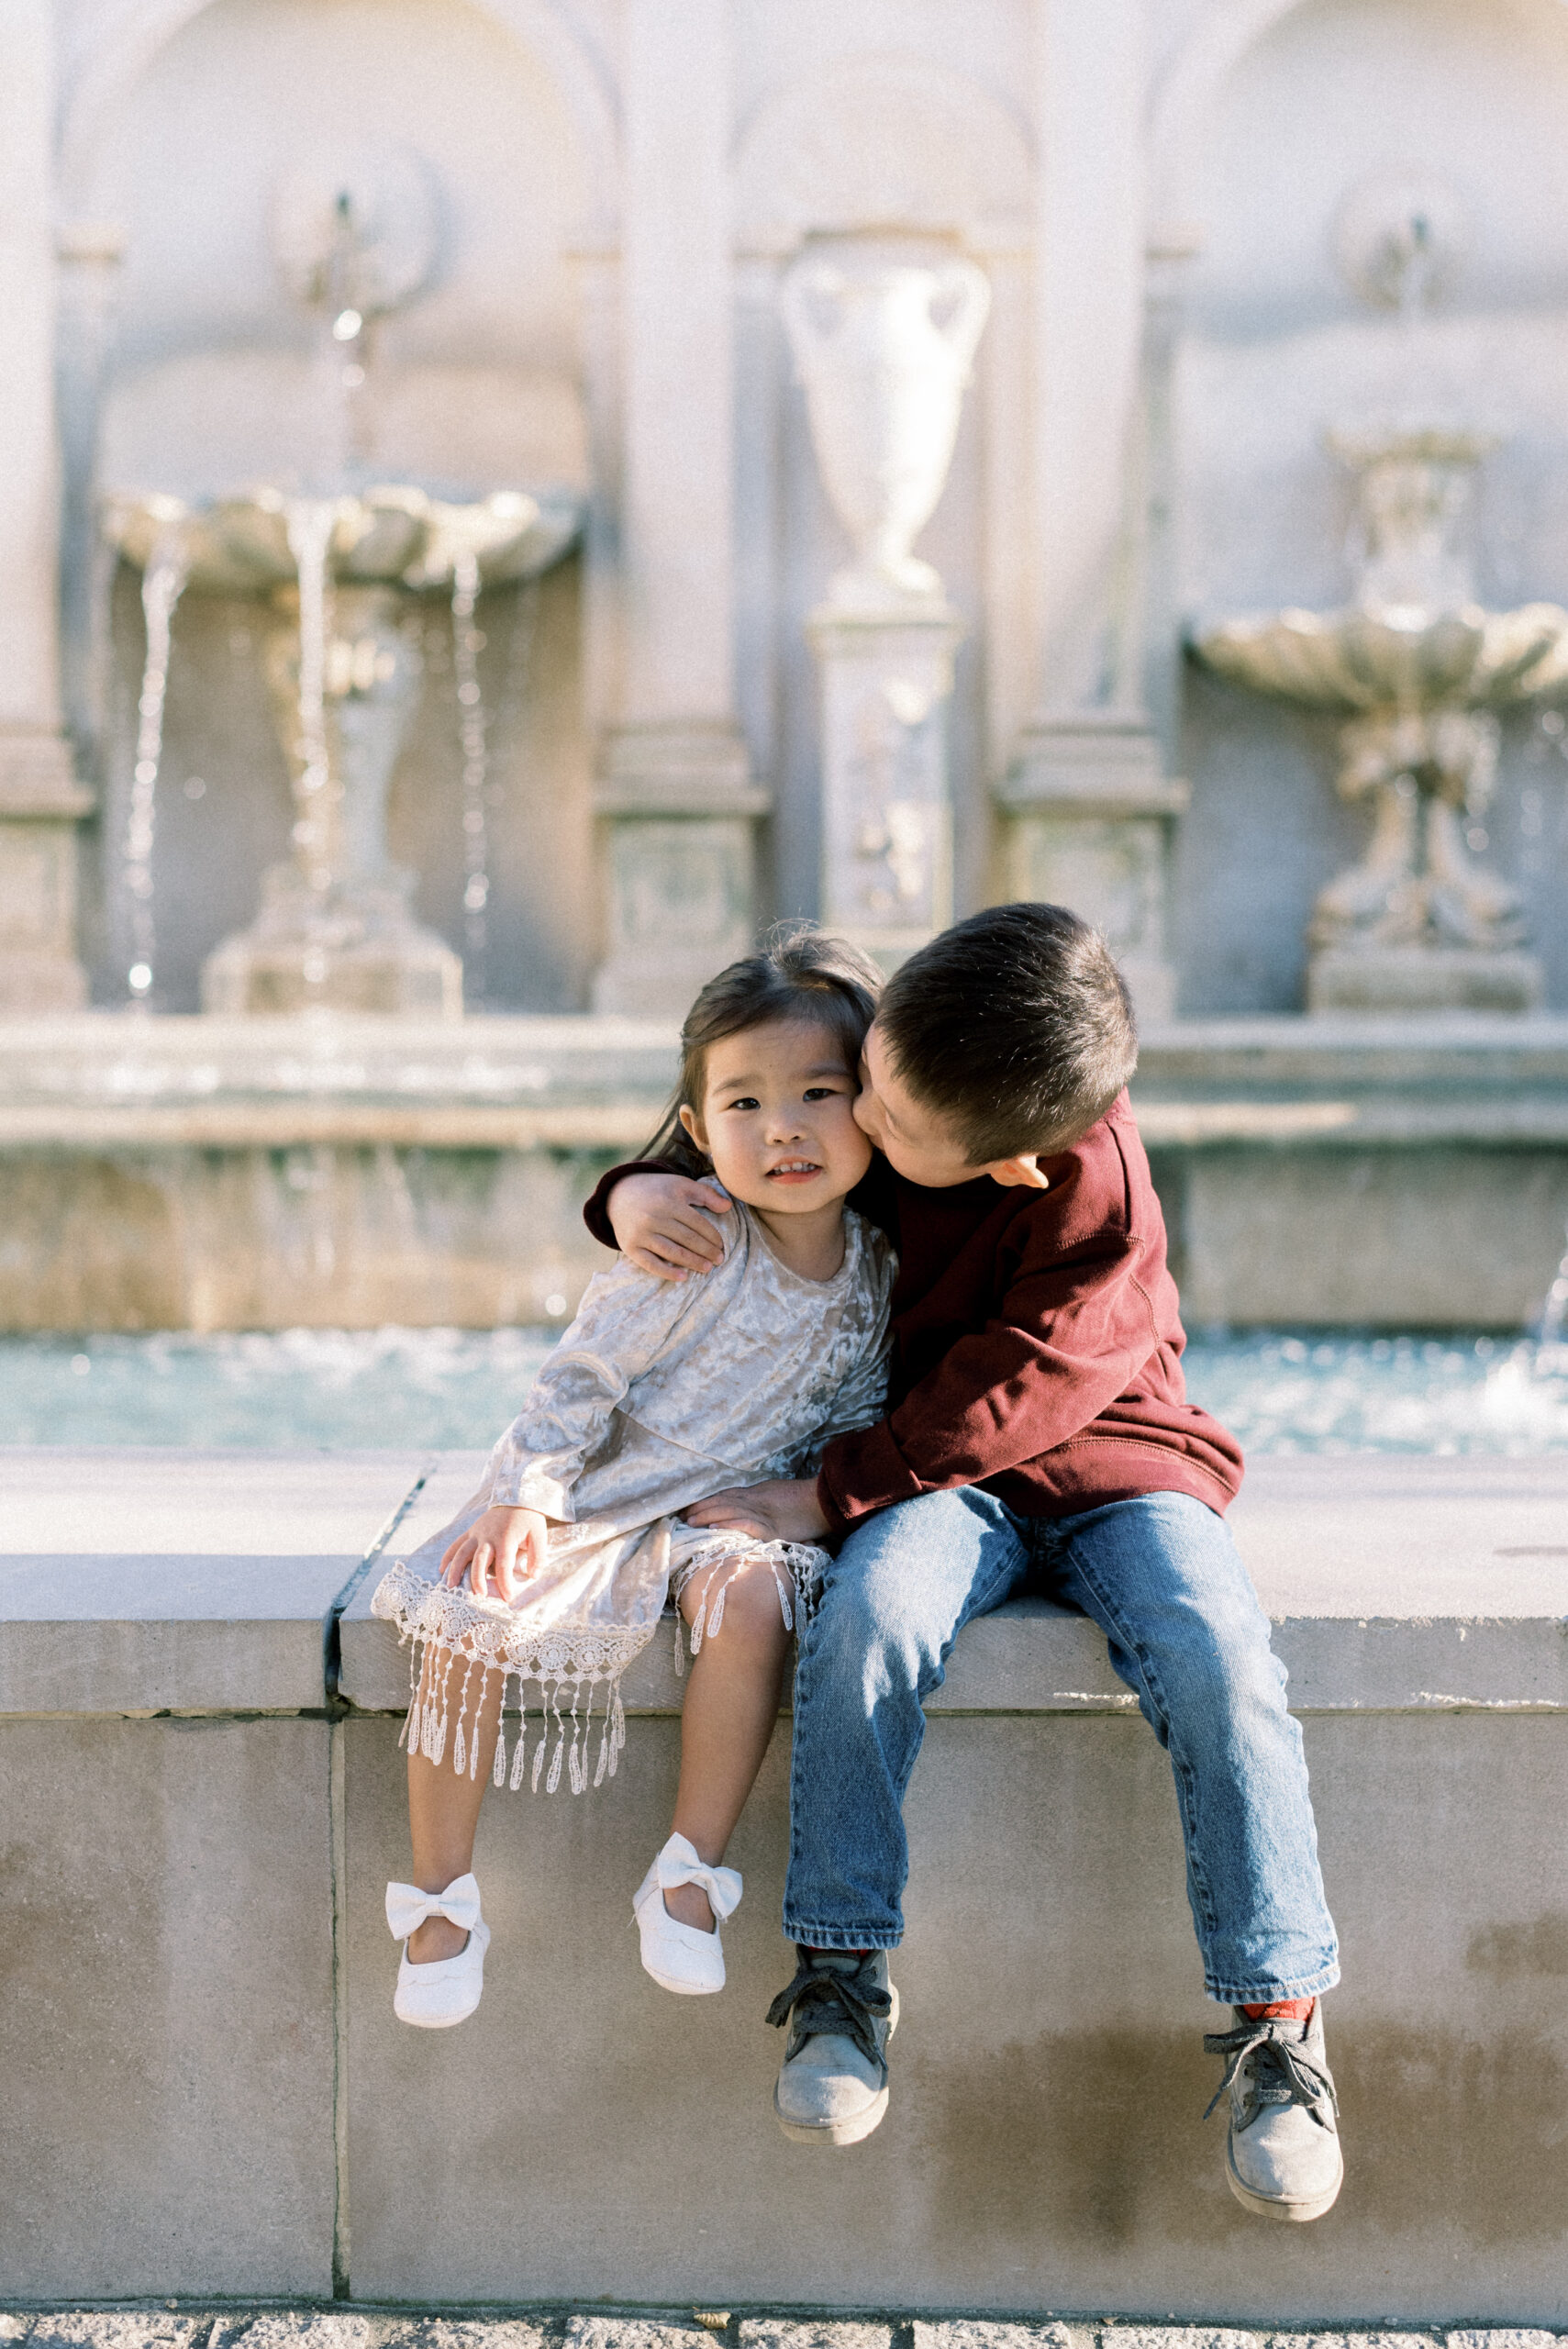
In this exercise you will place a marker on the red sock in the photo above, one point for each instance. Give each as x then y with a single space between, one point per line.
1281 2010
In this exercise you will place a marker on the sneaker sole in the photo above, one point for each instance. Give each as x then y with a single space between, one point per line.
1293 2213
840 2132
832 2132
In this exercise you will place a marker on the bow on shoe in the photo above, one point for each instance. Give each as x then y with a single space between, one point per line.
678 1864
1281 2066
407 1907
833 2002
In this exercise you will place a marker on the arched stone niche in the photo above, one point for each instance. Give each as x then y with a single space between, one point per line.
176 125
1272 112
881 141
880 144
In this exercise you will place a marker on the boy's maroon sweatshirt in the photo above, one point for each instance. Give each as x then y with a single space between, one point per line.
1037 1343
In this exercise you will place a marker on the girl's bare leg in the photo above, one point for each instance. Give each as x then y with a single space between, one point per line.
732 1702
443 1811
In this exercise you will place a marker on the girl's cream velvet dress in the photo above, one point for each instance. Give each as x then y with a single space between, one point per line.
659 1394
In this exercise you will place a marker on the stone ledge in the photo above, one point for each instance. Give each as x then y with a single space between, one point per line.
1394 1585
140 1582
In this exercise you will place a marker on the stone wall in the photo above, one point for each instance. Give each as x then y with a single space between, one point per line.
208 2095
1154 196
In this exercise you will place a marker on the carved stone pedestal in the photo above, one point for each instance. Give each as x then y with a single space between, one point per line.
41 805
679 815
335 931
1088 816
886 811
1399 979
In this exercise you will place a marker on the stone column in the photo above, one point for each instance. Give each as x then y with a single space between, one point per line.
40 800
1084 807
90 254
674 787
886 808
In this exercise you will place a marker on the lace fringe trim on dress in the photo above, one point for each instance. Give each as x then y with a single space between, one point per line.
797 1568
570 1664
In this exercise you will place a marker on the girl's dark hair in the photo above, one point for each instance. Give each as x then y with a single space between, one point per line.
798 972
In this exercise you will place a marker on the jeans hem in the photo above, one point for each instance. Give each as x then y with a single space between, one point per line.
1264 1994
838 1937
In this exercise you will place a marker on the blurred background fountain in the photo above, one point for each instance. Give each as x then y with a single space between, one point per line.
445 527
342 662
1419 923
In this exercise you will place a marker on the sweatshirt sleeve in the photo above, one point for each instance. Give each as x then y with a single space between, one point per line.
873 1197
625 1320
597 1211
1066 1340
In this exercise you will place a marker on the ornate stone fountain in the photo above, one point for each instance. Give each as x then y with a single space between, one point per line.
883 337
338 561
1420 669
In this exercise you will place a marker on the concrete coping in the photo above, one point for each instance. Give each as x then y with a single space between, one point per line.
142 1582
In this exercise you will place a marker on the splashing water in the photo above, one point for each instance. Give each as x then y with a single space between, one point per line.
1550 1329
163 584
472 736
311 522
1281 1392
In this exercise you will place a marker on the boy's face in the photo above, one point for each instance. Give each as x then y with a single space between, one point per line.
916 1140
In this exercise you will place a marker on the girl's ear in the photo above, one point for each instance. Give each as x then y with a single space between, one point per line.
688 1119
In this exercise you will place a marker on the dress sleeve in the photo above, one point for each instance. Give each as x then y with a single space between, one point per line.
624 1321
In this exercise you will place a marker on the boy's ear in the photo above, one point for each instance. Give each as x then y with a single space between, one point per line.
1023 1173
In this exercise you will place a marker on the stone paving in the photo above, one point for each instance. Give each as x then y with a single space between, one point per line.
174 2327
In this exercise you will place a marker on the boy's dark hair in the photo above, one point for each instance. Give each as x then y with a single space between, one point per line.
1015 1027
798 972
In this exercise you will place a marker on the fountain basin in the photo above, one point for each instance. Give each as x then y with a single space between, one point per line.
394 534
1391 657
231 1174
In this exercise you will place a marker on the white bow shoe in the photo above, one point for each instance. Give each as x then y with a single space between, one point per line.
435 1996
680 1958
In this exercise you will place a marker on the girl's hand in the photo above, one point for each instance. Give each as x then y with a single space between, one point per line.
660 1223
499 1551
785 1510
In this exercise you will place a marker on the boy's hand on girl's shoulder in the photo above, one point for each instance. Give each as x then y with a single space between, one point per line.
499 1551
785 1510
663 1224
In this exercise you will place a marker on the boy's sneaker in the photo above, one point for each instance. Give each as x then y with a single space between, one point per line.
1282 2151
842 2010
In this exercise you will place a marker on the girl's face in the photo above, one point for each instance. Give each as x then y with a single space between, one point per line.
777 1118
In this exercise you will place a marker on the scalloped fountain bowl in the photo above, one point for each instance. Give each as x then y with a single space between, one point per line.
394 535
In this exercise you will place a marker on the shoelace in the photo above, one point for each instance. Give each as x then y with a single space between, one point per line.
1281 2065
833 2002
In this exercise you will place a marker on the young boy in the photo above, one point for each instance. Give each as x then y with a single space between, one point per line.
1037 1436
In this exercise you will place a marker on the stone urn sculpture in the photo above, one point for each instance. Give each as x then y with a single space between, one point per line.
883 345
884 338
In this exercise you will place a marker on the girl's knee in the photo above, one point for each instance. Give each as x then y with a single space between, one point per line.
745 1598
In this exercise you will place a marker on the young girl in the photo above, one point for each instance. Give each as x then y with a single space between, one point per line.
660 1394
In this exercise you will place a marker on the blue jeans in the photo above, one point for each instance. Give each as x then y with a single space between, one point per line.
1162 1577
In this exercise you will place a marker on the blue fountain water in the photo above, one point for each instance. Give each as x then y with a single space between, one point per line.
1280 1391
